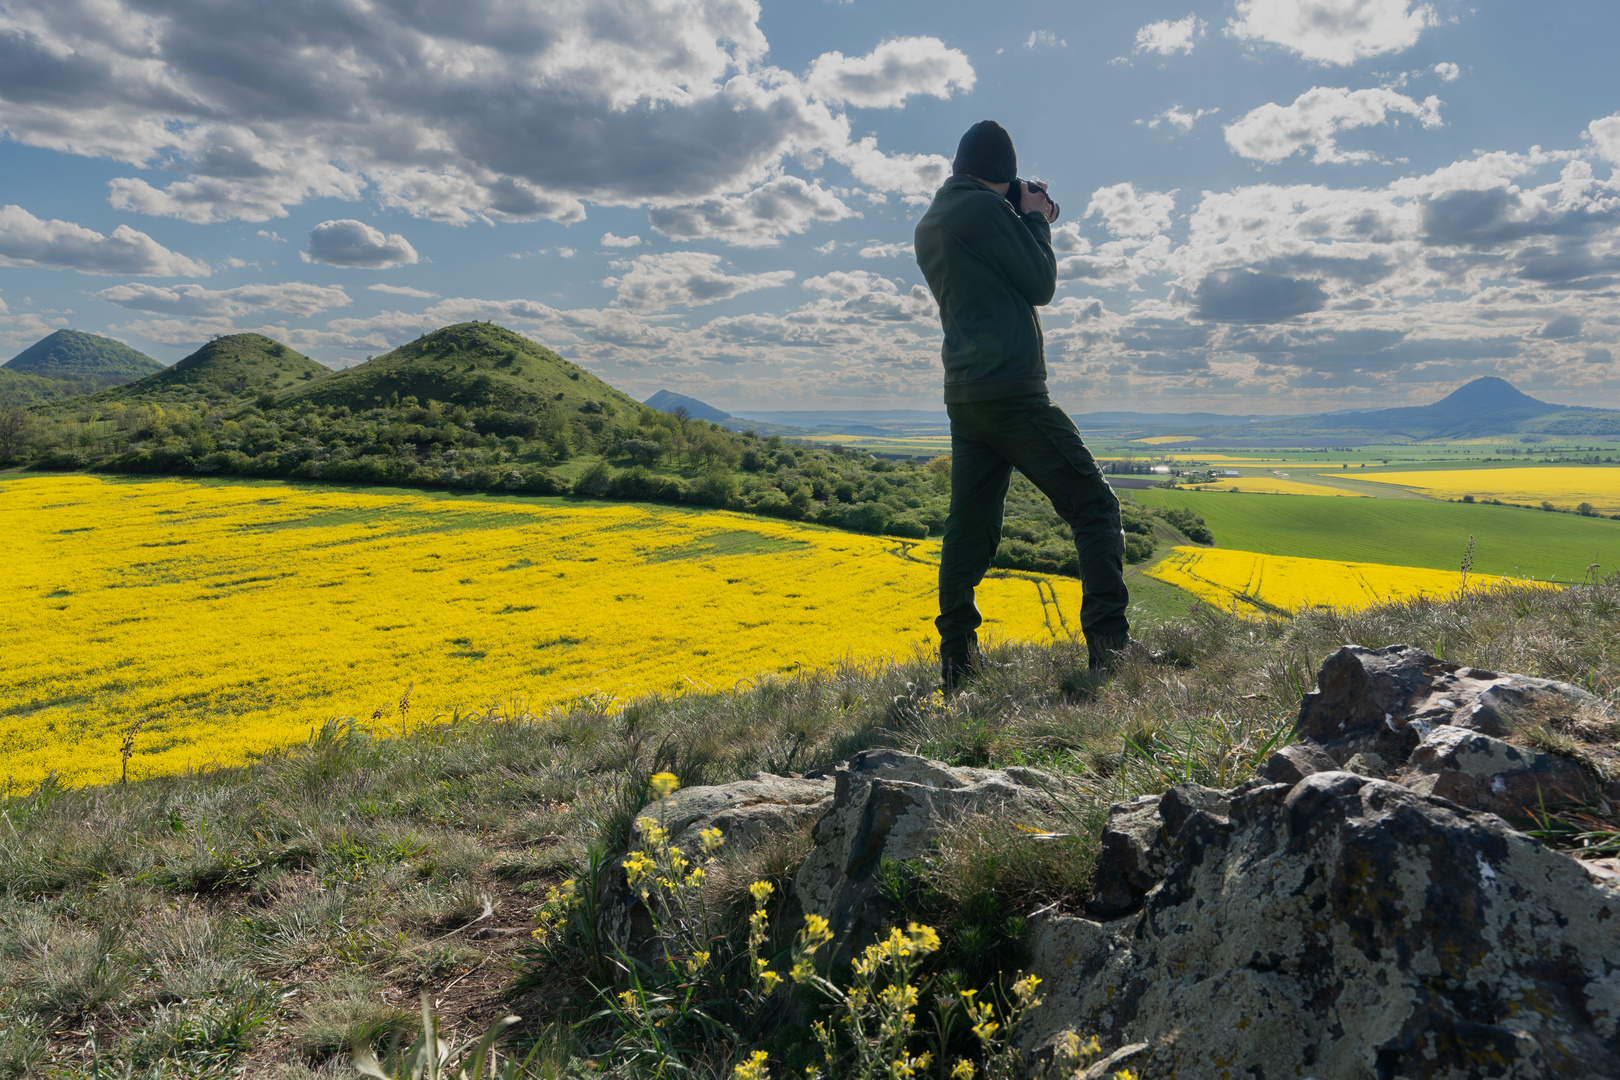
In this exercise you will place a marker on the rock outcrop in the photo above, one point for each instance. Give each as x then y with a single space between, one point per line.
1347 927
889 805
1363 907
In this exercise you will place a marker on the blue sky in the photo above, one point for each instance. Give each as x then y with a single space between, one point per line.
1268 205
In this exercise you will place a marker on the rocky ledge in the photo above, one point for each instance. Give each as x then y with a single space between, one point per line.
1364 907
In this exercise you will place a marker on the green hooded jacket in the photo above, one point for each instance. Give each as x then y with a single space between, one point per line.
989 269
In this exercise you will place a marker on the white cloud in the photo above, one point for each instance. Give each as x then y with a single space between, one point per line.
1605 137
293 297
401 290
26 240
890 73
272 236
1045 39
1333 31
346 242
889 251
1274 132
504 112
759 218
1179 118
566 253
1447 71
690 278
915 175
1166 37
1130 214
614 241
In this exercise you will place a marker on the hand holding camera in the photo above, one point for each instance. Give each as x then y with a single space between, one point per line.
1030 197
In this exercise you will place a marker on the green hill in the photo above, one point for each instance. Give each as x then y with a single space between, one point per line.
227 368
74 354
474 365
23 388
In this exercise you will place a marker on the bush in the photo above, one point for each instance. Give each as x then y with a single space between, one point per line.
1189 524
1138 548
598 480
638 482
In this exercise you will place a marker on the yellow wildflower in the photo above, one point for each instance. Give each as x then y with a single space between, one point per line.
1025 990
695 878
962 1070
769 980
663 784
698 962
761 891
711 839
754 1068
923 938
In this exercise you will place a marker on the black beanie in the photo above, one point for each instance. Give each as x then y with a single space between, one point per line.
986 151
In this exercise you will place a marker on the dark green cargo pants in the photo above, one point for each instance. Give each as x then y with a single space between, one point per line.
988 440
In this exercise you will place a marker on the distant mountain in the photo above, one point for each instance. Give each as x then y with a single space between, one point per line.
74 354
226 369
1487 406
668 401
470 364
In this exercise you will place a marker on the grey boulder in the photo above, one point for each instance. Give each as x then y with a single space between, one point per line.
1345 927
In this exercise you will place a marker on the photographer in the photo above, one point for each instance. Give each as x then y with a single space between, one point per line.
985 247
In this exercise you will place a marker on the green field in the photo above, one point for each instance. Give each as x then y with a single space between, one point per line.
1507 539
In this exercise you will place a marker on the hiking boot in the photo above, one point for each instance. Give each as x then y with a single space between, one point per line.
957 670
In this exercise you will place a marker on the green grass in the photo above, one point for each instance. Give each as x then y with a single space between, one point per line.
1507 539
254 921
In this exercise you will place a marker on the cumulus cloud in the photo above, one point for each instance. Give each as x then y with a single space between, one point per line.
1128 213
293 297
1274 132
889 251
401 290
890 73
1333 31
502 112
346 242
1447 71
28 241
1045 39
689 278
613 241
1605 137
1179 118
759 218
1166 37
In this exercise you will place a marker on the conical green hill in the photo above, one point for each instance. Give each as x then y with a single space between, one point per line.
75 354
472 364
227 368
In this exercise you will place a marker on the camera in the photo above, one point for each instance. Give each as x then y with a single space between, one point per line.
1015 195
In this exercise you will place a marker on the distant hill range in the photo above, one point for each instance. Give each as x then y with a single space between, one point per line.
67 364
669 401
1486 407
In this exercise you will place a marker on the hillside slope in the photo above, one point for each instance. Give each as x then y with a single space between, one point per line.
76 354
229 368
472 364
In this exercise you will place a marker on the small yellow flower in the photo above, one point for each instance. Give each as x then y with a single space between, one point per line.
1025 989
627 998
663 784
695 878
769 980
802 970
986 1031
923 938
698 962
761 891
711 839
962 1070
1125 1074
650 829
754 1068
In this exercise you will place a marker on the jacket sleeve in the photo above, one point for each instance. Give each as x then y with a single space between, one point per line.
1020 246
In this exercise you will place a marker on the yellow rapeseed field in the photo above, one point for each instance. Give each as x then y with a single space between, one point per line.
1565 486
1257 584
229 619
1276 485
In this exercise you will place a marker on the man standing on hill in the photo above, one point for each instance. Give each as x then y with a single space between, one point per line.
990 265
